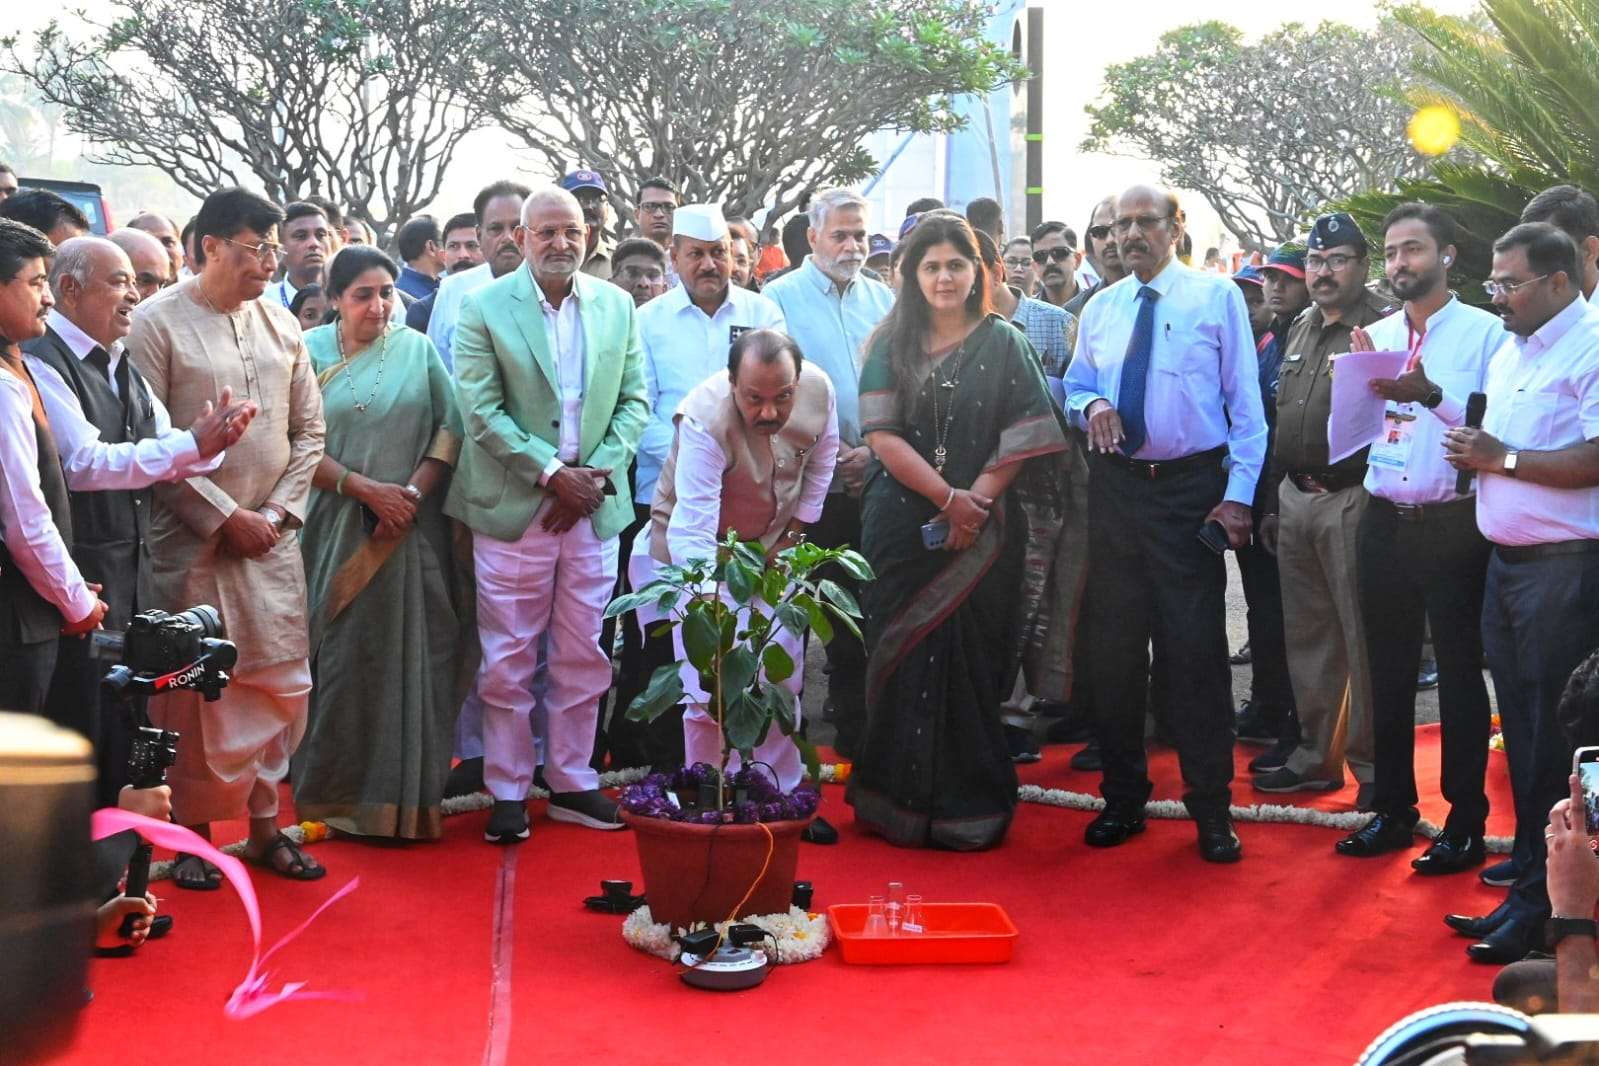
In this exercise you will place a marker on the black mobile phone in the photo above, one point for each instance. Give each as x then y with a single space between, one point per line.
1213 535
1585 764
934 534
369 520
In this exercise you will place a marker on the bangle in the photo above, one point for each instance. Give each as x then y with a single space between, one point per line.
338 486
950 500
413 492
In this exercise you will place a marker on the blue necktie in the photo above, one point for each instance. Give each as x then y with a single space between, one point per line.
1135 373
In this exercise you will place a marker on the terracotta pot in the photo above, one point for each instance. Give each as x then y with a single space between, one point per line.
696 873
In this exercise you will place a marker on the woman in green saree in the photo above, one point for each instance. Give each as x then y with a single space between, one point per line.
964 433
379 568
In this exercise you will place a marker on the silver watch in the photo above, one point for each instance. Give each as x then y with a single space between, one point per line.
1510 462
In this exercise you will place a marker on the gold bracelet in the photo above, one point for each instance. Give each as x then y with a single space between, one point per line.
338 486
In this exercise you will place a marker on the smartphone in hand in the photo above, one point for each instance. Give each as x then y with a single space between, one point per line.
1585 764
934 534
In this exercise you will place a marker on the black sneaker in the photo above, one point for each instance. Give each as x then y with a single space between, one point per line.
466 777
1427 676
1274 757
1256 724
593 809
507 823
1089 758
1023 748
1242 657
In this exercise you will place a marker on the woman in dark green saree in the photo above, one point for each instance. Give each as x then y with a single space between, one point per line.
959 418
385 608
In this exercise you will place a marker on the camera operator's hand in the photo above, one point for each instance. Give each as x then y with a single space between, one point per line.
91 621
248 534
395 507
151 802
1573 868
108 921
222 425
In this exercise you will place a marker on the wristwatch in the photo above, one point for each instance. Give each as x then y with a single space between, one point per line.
1510 462
1557 929
1433 398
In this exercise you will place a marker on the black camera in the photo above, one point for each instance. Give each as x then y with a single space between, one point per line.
163 652
151 753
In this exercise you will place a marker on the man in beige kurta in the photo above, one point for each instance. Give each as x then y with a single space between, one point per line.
229 539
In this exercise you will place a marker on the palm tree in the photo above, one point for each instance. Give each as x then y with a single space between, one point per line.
1524 79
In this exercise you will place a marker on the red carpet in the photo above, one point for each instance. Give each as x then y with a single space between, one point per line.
1135 955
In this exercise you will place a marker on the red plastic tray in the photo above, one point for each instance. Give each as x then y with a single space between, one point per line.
955 932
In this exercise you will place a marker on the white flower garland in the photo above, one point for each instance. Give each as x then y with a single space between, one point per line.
800 937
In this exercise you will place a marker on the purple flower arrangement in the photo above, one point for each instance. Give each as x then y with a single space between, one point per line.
751 793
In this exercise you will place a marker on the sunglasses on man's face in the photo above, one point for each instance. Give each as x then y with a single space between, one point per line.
1059 255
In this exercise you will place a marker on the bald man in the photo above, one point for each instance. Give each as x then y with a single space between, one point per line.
162 229
152 268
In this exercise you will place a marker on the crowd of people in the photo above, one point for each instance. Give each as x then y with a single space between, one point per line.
1043 448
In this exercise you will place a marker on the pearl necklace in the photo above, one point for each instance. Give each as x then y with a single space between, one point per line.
349 378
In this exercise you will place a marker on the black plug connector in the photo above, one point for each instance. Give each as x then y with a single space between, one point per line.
743 935
701 942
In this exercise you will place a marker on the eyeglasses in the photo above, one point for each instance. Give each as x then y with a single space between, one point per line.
1143 222
657 209
1496 289
1099 233
1334 263
265 252
1018 262
1059 255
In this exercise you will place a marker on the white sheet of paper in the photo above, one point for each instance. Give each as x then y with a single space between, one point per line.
1357 412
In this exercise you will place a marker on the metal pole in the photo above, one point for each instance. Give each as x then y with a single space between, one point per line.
1035 117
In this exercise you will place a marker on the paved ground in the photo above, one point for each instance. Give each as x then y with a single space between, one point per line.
816 678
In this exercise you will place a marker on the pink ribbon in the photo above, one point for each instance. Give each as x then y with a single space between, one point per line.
252 996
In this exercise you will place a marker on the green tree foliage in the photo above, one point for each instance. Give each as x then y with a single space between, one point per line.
1270 131
1525 81
364 101
744 102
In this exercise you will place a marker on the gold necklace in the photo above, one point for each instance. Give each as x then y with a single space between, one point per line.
349 378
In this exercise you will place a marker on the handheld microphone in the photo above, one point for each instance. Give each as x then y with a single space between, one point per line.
1476 403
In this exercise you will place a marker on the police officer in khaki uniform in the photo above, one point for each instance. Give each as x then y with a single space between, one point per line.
1312 527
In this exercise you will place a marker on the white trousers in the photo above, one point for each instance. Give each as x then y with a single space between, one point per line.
548 589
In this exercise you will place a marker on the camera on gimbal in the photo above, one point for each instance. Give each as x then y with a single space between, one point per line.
162 652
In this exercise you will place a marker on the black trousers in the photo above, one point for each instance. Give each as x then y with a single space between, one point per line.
25 671
1150 578
1539 621
77 701
658 743
1268 650
840 526
1412 572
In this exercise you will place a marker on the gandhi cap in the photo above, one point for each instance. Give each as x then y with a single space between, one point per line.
702 222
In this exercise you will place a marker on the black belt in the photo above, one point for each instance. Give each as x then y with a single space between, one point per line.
1527 553
1429 512
1316 482
1158 468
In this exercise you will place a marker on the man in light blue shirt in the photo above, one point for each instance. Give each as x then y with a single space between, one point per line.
1164 381
498 208
831 308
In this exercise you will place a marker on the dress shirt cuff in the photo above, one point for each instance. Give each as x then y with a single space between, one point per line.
80 601
808 513
1240 488
1079 410
1451 412
550 470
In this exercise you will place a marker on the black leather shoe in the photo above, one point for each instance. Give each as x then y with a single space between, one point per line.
1218 842
1256 723
1479 927
1450 853
1088 759
820 831
1113 826
466 777
1384 833
1509 943
1500 874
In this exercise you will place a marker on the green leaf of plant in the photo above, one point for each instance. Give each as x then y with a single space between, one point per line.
855 565
846 621
739 667
840 596
740 581
664 691
701 635
813 761
779 665
773 584
793 618
743 724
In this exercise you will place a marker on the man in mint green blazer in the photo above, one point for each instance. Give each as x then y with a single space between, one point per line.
549 373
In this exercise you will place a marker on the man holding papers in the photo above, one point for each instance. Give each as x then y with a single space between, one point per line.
1312 528
1419 553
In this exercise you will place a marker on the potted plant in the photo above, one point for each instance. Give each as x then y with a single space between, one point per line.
711 842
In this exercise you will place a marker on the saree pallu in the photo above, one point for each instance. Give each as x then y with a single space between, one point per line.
947 631
386 616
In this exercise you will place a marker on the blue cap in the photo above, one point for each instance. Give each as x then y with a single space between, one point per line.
584 179
908 225
877 244
1336 230
1250 274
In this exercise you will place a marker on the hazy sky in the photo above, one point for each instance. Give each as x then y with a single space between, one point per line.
1083 38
